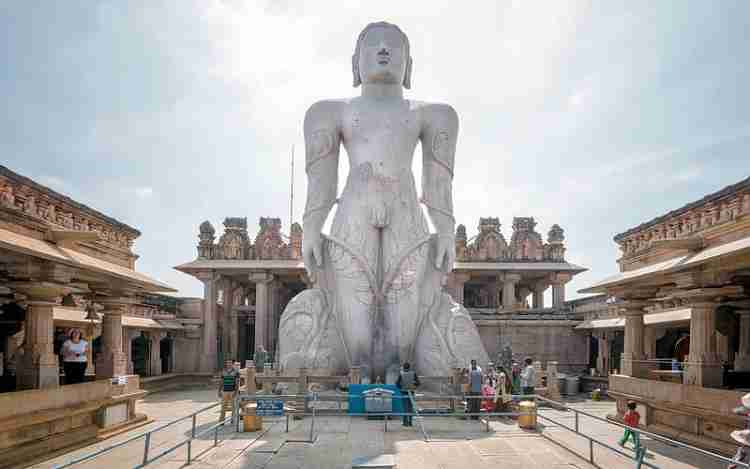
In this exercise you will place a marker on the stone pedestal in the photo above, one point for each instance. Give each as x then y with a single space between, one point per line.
704 366
632 356
742 360
112 361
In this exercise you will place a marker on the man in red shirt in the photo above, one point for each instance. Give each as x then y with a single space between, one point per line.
631 418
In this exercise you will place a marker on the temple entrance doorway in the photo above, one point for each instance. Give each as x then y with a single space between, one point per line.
166 355
140 351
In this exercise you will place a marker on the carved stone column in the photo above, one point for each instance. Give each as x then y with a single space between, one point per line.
455 284
742 360
112 361
704 366
229 326
210 292
273 303
509 290
155 358
523 294
602 358
38 367
537 299
558 289
632 355
127 348
261 280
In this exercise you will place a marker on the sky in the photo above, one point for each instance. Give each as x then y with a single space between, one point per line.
596 116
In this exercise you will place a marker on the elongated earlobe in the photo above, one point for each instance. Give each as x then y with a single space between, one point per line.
407 74
355 71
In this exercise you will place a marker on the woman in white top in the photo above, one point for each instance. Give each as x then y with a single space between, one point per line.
74 352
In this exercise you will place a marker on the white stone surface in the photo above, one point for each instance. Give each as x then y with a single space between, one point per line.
378 298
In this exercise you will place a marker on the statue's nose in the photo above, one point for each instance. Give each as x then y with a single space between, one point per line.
383 49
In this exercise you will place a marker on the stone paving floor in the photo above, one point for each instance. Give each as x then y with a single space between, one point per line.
453 443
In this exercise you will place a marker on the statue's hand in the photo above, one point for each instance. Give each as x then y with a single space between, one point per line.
312 251
445 253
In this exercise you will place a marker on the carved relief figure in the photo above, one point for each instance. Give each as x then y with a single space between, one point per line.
378 299
7 197
29 205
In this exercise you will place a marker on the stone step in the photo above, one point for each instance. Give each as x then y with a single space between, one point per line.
383 461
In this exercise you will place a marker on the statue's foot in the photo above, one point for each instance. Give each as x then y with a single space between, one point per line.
307 334
448 339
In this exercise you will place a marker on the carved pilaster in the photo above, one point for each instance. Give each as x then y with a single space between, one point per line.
112 360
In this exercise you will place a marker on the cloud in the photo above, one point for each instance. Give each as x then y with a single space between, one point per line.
144 192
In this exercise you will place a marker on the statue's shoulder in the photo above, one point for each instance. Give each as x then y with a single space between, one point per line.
327 107
436 112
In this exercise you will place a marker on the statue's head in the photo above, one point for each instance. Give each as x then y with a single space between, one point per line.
382 56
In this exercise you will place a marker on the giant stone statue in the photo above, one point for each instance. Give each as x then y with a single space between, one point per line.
378 299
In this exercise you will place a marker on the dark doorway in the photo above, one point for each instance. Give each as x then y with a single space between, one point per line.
139 353
165 353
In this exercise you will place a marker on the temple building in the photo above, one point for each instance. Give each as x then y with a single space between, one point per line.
64 265
679 310
249 280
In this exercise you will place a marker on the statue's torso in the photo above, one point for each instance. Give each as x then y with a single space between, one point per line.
383 133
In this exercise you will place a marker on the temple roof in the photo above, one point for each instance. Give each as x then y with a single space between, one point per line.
11 175
718 195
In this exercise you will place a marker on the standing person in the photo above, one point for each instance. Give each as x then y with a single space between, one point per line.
230 381
631 418
488 391
407 381
743 452
515 378
260 358
527 379
492 374
74 357
475 389
503 391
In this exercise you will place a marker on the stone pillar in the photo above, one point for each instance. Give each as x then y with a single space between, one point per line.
241 325
704 365
553 390
90 331
456 282
208 339
538 374
523 294
742 360
632 355
127 349
250 385
509 290
722 347
229 327
273 302
537 299
355 375
602 360
112 361
37 367
493 294
155 361
261 280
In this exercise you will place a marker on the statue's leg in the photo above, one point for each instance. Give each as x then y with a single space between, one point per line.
405 256
353 250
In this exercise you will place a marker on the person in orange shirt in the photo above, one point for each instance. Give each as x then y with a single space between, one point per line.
631 418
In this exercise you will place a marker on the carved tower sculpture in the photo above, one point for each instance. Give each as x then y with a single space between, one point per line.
377 300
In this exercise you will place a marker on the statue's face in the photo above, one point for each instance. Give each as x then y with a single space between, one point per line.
382 56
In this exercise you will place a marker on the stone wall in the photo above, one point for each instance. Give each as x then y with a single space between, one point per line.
542 340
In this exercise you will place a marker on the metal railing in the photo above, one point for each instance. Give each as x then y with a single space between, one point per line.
148 437
452 410
640 453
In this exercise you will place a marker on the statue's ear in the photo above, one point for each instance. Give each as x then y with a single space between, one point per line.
407 74
355 71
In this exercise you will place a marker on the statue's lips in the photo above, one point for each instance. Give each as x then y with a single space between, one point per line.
384 61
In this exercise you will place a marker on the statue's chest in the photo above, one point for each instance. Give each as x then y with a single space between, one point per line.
369 126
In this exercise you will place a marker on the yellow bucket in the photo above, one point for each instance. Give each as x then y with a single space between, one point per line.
250 421
527 419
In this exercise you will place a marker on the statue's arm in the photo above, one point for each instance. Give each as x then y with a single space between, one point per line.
322 143
438 137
